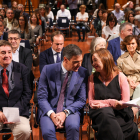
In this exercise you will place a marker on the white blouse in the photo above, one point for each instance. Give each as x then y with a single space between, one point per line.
50 15
107 31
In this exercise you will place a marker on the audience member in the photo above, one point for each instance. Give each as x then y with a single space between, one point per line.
63 13
1 6
15 91
10 22
43 13
25 31
73 8
1 18
65 103
101 6
98 23
2 12
117 12
5 7
137 11
108 90
49 13
14 5
41 19
104 18
96 44
110 28
131 70
114 44
20 54
128 6
54 53
3 34
21 8
7 3
37 29
136 28
81 18
17 14
129 17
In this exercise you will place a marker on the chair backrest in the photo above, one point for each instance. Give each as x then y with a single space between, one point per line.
27 44
63 22
50 22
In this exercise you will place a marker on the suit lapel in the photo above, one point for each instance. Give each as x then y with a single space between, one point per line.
2 91
58 78
72 82
118 46
20 54
51 59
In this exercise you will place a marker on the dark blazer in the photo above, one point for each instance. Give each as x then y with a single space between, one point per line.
26 15
114 48
87 63
5 36
46 57
25 57
50 87
21 93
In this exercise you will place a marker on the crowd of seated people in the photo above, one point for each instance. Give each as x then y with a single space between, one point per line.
110 71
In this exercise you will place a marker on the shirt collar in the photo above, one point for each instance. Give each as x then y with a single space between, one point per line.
17 49
121 39
9 67
10 21
54 52
63 69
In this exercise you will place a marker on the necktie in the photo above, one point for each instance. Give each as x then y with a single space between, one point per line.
5 84
62 93
58 58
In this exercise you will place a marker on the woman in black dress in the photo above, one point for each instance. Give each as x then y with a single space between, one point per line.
108 90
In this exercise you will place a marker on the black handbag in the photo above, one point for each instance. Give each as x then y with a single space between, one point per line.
81 24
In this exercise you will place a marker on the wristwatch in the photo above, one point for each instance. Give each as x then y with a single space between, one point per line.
66 112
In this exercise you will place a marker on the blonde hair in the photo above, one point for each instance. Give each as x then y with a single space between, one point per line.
82 6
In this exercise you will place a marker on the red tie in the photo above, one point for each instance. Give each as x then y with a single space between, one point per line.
5 82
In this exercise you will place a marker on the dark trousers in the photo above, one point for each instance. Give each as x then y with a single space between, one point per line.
83 31
72 124
73 13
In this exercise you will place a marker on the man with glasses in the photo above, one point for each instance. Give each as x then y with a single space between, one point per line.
10 22
54 53
14 92
3 35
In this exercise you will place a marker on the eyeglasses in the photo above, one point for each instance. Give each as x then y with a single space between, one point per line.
13 38
21 19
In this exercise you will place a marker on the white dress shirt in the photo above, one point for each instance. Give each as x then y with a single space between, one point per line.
55 56
15 56
50 15
119 14
66 13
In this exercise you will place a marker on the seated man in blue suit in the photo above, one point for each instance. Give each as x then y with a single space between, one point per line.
114 44
54 53
14 91
62 94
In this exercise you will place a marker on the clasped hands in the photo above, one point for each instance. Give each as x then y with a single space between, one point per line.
58 119
3 119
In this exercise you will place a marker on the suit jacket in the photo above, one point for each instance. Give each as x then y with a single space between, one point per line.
114 48
50 87
130 66
46 57
5 36
26 15
25 57
21 93
87 63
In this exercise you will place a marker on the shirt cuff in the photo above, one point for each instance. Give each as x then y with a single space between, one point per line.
68 112
49 113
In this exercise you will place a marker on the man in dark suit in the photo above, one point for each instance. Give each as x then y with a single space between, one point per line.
20 54
62 94
114 44
14 91
51 55
21 8
3 35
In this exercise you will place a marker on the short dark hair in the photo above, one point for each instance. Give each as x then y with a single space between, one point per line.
2 17
71 50
104 11
110 18
127 40
56 33
14 32
98 12
5 43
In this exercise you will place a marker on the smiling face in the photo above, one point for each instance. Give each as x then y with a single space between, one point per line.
74 63
132 46
112 23
5 55
34 18
21 21
97 63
